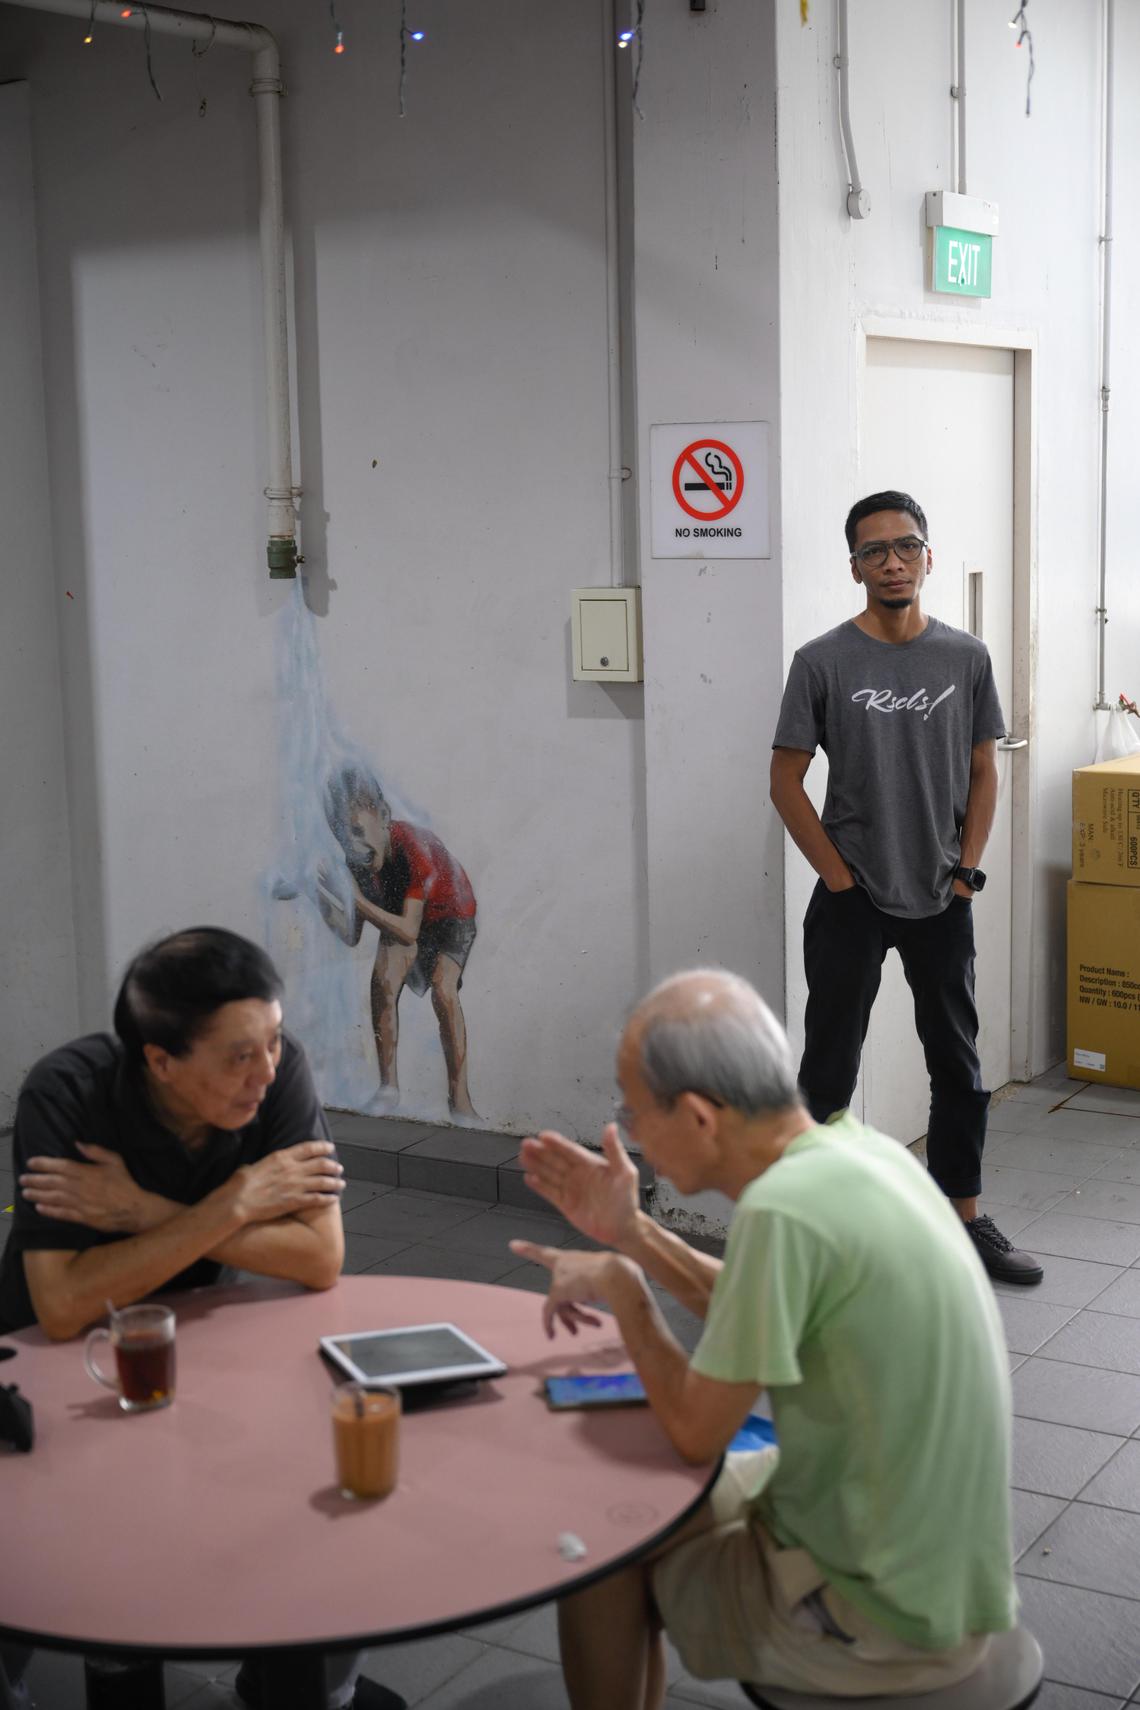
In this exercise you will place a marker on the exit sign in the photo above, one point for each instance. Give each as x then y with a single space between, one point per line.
963 262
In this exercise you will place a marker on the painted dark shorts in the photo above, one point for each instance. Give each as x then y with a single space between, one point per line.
451 937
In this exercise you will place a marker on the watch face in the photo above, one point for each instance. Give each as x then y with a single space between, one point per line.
972 876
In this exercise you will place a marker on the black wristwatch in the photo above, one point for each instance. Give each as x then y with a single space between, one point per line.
972 876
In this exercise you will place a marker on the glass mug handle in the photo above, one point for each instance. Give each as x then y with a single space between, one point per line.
101 1333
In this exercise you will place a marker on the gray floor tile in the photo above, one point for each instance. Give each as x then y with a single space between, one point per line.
361 1252
1089 1640
1121 1296
500 1680
1054 1697
1115 1202
55 1680
1077 1123
1083 1238
467 1145
472 1179
723 1694
490 1232
376 1133
1039 1094
1095 1548
1117 1484
357 1193
1057 1075
1035 1190
1016 1360
531 1277
1058 1460
414 1216
416 1671
1032 1514
1075 1158
1028 1321
1125 1167
1077 1395
1013 1117
211 1696
1118 1101
534 1634
427 1261
1097 1339
1067 1282
364 1165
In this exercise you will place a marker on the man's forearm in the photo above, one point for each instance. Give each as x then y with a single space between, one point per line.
304 1249
804 826
125 1271
688 1275
660 1360
981 806
393 924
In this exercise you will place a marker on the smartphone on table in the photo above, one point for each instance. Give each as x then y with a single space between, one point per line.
595 1389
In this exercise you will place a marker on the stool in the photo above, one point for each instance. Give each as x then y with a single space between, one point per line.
1008 1679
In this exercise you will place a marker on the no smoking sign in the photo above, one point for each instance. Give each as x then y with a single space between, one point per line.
709 490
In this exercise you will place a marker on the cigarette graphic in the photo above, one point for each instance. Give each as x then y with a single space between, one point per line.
332 900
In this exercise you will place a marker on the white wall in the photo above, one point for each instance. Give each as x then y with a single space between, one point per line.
1122 635
37 946
1044 174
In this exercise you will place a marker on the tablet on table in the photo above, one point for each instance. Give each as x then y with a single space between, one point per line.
417 1354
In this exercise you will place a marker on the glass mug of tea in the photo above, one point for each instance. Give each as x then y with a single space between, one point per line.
142 1340
366 1437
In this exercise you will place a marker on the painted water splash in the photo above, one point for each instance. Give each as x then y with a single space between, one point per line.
326 982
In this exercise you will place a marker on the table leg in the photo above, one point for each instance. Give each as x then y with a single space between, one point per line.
291 1681
113 1684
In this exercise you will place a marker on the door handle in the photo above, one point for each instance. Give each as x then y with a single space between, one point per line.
1009 744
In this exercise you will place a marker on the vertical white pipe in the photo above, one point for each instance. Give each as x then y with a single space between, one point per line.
1108 126
858 201
267 90
961 88
613 288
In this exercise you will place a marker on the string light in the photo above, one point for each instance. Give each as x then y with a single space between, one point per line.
339 48
625 37
149 66
90 36
406 36
1020 23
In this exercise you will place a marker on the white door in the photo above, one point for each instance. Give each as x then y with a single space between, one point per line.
938 423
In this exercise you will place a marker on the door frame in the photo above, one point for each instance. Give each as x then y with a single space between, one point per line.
1022 344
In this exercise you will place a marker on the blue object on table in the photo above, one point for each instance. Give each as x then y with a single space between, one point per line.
756 1433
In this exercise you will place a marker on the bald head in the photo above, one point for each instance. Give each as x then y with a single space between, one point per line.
710 1032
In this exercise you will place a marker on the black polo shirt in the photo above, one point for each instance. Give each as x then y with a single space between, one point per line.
86 1091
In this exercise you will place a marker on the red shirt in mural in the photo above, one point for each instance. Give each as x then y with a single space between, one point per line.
418 865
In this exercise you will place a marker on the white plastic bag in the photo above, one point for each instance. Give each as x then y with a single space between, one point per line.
1119 735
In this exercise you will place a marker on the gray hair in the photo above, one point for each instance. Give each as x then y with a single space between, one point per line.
734 1052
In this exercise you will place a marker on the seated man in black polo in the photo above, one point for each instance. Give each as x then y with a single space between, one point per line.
190 1140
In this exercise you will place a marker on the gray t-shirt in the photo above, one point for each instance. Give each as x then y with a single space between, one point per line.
897 722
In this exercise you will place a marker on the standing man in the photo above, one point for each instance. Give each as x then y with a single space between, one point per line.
906 710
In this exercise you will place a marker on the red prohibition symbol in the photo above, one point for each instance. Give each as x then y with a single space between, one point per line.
710 468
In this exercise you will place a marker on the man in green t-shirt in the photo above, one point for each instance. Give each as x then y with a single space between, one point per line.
869 1554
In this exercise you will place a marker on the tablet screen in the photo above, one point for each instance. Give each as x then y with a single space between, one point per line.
421 1353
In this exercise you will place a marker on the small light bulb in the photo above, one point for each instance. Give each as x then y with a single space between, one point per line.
417 35
339 48
625 38
87 40
126 12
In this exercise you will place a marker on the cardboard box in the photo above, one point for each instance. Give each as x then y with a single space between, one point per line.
1104 984
1106 822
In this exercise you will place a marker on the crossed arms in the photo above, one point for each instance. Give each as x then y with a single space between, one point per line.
599 1196
279 1217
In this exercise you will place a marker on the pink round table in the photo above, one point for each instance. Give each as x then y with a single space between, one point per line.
214 1527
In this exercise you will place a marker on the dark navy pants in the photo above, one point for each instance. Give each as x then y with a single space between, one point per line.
845 941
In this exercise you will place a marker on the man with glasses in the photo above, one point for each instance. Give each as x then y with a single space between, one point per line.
870 1553
906 710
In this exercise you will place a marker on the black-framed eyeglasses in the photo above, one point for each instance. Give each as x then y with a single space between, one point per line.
873 554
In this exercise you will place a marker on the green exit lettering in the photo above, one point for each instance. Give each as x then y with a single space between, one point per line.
963 262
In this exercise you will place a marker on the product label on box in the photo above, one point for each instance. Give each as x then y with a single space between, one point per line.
1103 987
1088 1059
1132 845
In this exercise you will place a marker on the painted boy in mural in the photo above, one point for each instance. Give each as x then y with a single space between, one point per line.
407 885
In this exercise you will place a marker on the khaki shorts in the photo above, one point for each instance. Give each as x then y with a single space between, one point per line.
737 1607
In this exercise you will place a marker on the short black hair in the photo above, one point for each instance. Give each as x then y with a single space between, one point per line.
350 784
172 988
891 501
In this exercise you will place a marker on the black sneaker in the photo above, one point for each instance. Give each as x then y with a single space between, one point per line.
1003 1261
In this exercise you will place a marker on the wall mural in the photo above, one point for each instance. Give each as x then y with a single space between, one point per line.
360 865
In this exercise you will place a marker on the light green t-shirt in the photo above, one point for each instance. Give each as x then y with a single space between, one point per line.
851 1292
